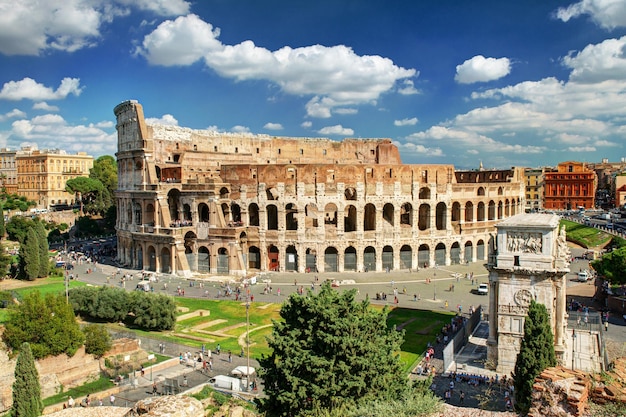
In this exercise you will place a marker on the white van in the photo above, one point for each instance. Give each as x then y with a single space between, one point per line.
583 276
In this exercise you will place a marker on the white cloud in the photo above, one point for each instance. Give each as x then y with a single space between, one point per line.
30 27
51 131
408 89
42 105
13 114
600 62
166 119
481 69
581 149
345 111
608 14
420 151
336 130
307 124
461 139
240 129
335 76
273 126
406 122
160 7
28 88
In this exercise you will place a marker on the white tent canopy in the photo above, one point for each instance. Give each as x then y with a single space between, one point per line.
243 371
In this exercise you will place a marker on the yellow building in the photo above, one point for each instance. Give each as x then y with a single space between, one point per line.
534 188
42 174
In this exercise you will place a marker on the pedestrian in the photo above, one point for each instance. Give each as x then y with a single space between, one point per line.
606 326
70 402
112 399
461 397
230 356
154 388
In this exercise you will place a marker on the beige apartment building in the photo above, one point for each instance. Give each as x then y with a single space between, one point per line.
42 174
534 188
8 171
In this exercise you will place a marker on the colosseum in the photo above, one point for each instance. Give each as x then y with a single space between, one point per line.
205 202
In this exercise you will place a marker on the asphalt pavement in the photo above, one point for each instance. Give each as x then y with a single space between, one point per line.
441 288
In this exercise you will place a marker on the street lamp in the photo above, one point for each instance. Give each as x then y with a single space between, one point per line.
248 342
434 287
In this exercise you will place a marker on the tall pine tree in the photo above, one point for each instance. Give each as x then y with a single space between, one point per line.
536 354
30 259
44 255
3 229
26 388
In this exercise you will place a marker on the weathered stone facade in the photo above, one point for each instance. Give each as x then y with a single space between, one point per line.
528 262
235 204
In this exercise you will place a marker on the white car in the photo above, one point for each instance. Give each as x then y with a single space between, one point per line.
483 289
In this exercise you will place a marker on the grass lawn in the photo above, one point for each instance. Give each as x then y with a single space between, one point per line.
587 237
225 323
420 327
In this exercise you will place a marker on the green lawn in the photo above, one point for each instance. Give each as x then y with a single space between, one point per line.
420 327
587 237
229 317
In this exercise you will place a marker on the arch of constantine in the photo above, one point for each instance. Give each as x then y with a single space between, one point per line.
225 203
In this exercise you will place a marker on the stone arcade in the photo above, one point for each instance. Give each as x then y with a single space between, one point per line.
199 201
530 261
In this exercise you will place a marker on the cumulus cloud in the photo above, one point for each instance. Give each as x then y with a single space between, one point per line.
333 76
166 119
307 124
481 69
13 114
599 62
273 126
406 122
584 113
42 105
608 14
460 139
240 129
407 88
30 27
51 131
28 88
336 130
410 148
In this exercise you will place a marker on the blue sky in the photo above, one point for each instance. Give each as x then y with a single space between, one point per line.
508 83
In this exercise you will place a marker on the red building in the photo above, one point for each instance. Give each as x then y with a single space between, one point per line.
570 186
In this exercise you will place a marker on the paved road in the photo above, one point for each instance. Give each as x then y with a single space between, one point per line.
429 288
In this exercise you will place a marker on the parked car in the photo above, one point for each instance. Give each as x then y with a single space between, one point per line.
483 289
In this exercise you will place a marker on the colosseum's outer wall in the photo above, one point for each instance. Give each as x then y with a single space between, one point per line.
192 201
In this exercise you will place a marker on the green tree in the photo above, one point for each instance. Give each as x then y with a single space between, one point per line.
17 228
26 388
152 311
86 189
47 323
30 260
44 254
97 340
105 170
3 229
536 354
330 352
612 266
